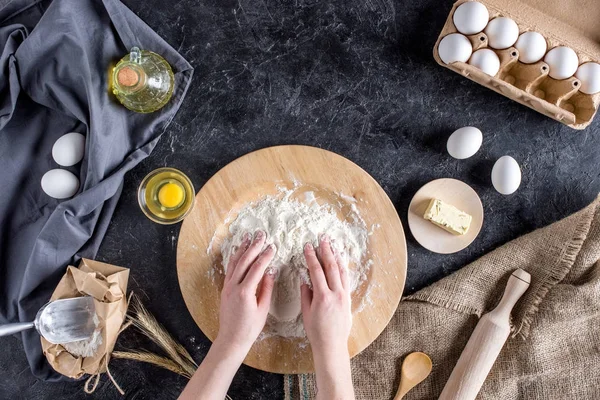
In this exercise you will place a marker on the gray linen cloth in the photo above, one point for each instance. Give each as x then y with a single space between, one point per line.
54 59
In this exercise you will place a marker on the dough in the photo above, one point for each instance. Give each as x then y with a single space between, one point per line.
289 225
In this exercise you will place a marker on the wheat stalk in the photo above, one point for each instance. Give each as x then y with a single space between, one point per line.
146 322
149 326
179 359
152 358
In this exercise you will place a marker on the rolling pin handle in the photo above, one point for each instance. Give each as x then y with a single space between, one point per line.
517 285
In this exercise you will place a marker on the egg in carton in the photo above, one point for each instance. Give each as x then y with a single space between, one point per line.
559 43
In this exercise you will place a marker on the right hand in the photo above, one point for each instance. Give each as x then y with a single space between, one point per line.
326 309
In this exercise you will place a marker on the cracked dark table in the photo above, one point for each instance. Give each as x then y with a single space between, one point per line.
354 77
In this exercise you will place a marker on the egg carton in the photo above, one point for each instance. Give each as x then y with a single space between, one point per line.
570 23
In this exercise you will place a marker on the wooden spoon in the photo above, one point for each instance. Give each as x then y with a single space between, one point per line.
415 368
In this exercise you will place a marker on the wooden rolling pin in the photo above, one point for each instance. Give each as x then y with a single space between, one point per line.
485 343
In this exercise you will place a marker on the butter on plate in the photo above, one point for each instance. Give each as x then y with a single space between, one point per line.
447 217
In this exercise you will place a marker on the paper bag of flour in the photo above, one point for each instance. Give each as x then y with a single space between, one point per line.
107 284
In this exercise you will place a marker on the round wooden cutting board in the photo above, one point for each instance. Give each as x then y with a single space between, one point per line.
332 179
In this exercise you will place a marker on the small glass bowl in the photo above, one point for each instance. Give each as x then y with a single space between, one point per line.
148 196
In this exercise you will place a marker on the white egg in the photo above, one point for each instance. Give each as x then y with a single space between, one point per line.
563 62
68 149
455 47
486 60
60 184
532 46
464 142
502 32
471 17
589 75
506 175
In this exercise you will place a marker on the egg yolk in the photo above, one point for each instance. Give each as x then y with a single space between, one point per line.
170 195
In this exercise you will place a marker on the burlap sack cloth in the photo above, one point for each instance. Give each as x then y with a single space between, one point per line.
555 350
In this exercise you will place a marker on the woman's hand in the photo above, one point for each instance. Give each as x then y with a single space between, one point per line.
246 295
327 316
326 308
245 302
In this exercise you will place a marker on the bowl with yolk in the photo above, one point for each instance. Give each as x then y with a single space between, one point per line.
166 195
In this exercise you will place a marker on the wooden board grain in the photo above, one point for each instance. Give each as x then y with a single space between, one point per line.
333 180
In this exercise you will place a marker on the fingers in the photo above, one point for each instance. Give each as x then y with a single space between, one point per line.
257 270
306 295
343 265
266 289
233 260
330 264
344 279
317 276
246 260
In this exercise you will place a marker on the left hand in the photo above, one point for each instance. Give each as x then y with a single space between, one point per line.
246 295
245 302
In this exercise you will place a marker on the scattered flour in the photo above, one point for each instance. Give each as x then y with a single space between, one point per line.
87 347
290 224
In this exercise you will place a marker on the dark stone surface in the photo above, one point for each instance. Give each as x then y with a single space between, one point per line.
354 77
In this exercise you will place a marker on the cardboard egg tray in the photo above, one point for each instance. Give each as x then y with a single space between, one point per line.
572 23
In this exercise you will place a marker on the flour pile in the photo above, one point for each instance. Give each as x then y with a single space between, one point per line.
86 347
290 224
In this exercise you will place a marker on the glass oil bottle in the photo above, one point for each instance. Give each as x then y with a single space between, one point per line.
142 81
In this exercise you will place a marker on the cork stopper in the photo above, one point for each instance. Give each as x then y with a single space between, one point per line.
127 77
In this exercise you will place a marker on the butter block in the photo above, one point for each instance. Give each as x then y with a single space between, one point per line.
447 217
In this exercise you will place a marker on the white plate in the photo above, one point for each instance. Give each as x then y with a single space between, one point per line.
451 191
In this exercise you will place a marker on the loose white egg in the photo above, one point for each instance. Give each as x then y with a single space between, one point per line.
563 62
68 149
532 46
506 175
471 17
455 47
60 184
464 142
486 60
502 32
589 75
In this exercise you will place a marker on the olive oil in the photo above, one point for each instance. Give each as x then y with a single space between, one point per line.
142 81
166 195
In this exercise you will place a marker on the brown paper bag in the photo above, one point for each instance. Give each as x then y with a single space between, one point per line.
107 284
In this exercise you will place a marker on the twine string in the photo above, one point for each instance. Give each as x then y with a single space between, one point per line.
96 378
